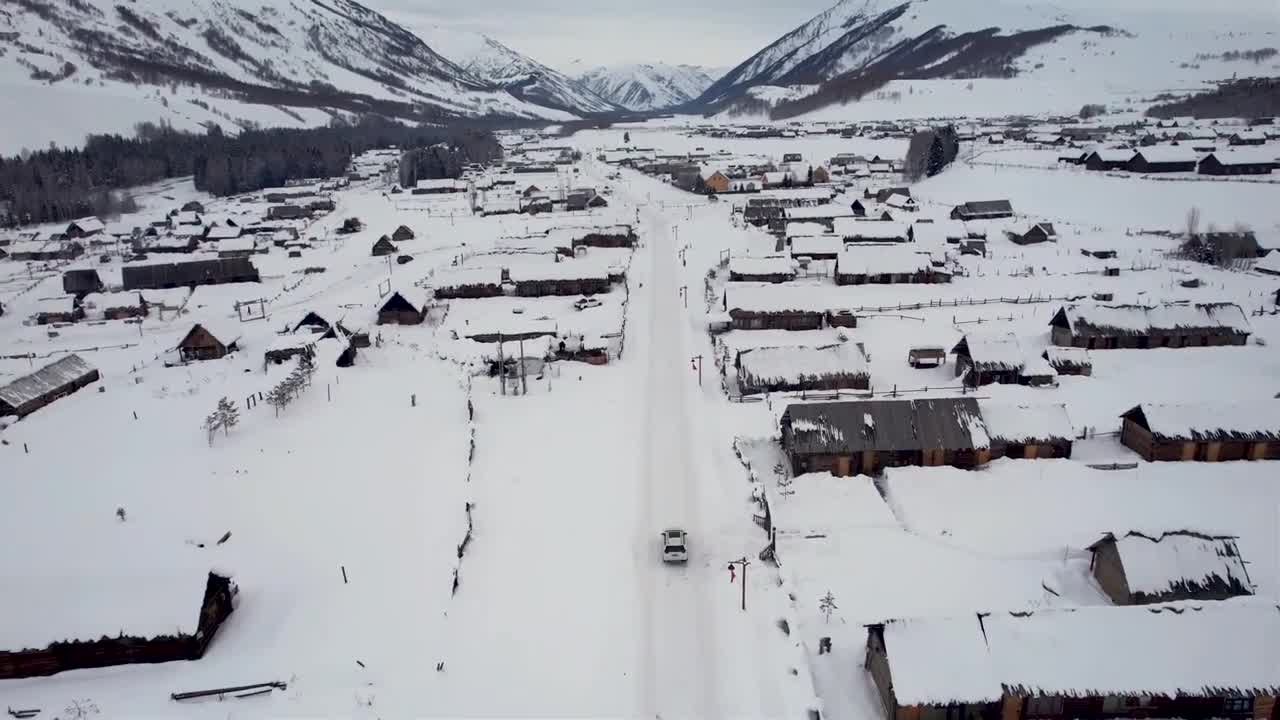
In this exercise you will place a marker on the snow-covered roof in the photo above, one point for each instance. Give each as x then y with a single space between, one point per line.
1256 420
222 232
820 212
1113 155
897 200
565 270
994 351
88 225
795 229
881 260
1026 423
791 365
1247 156
107 300
1137 320
939 231
61 305
1168 154
147 603
820 244
237 243
441 184
1088 652
1068 355
49 378
1179 561
750 265
851 228
1270 263
456 277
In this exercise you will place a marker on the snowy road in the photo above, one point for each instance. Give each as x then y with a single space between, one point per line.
565 600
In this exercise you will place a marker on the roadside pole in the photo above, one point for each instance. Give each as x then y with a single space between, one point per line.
743 562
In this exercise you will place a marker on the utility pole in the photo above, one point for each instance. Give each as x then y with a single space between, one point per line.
502 368
696 361
524 384
742 562
684 294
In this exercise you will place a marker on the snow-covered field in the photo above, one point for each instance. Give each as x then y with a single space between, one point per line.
346 510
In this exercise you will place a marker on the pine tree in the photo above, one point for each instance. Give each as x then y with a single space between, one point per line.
228 415
827 605
211 425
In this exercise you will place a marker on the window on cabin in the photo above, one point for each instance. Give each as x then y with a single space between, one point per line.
1242 705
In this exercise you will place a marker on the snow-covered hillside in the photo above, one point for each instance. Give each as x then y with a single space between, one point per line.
99 65
523 77
860 44
647 86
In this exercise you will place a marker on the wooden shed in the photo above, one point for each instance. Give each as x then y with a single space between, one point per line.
1069 360
1108 327
1207 433
612 236
456 283
127 635
562 278
866 436
1142 569
1251 161
403 307
42 387
1037 233
383 246
208 342
986 359
402 234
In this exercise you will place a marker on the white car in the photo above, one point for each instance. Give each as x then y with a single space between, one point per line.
675 546
587 302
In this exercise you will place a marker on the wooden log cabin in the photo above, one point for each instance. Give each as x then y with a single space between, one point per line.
866 436
209 341
1108 327
178 621
188 274
1085 663
1204 433
461 283
761 306
403 307
562 278
1143 569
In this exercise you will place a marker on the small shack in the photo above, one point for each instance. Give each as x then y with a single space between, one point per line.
383 246
1204 433
927 356
51 382
1108 327
208 341
886 265
1037 233
866 436
1142 569
403 307
986 359
796 369
402 234
1028 432
1069 360
753 307
1163 159
61 309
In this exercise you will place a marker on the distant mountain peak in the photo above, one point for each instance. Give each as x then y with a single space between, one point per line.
647 86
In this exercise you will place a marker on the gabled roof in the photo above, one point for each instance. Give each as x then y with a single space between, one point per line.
980 208
1222 318
87 225
1022 424
1179 562
992 352
1258 421
1089 651
1167 154
51 377
772 365
1247 156
888 425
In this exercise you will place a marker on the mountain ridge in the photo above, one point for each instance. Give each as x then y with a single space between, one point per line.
645 86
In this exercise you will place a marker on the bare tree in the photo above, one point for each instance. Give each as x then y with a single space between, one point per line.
1193 222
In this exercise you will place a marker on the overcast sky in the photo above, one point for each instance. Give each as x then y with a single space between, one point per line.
714 33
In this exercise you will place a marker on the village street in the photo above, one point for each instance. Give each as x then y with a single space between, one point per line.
572 485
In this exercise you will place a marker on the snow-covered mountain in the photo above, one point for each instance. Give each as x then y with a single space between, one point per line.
103 65
859 45
523 77
646 86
